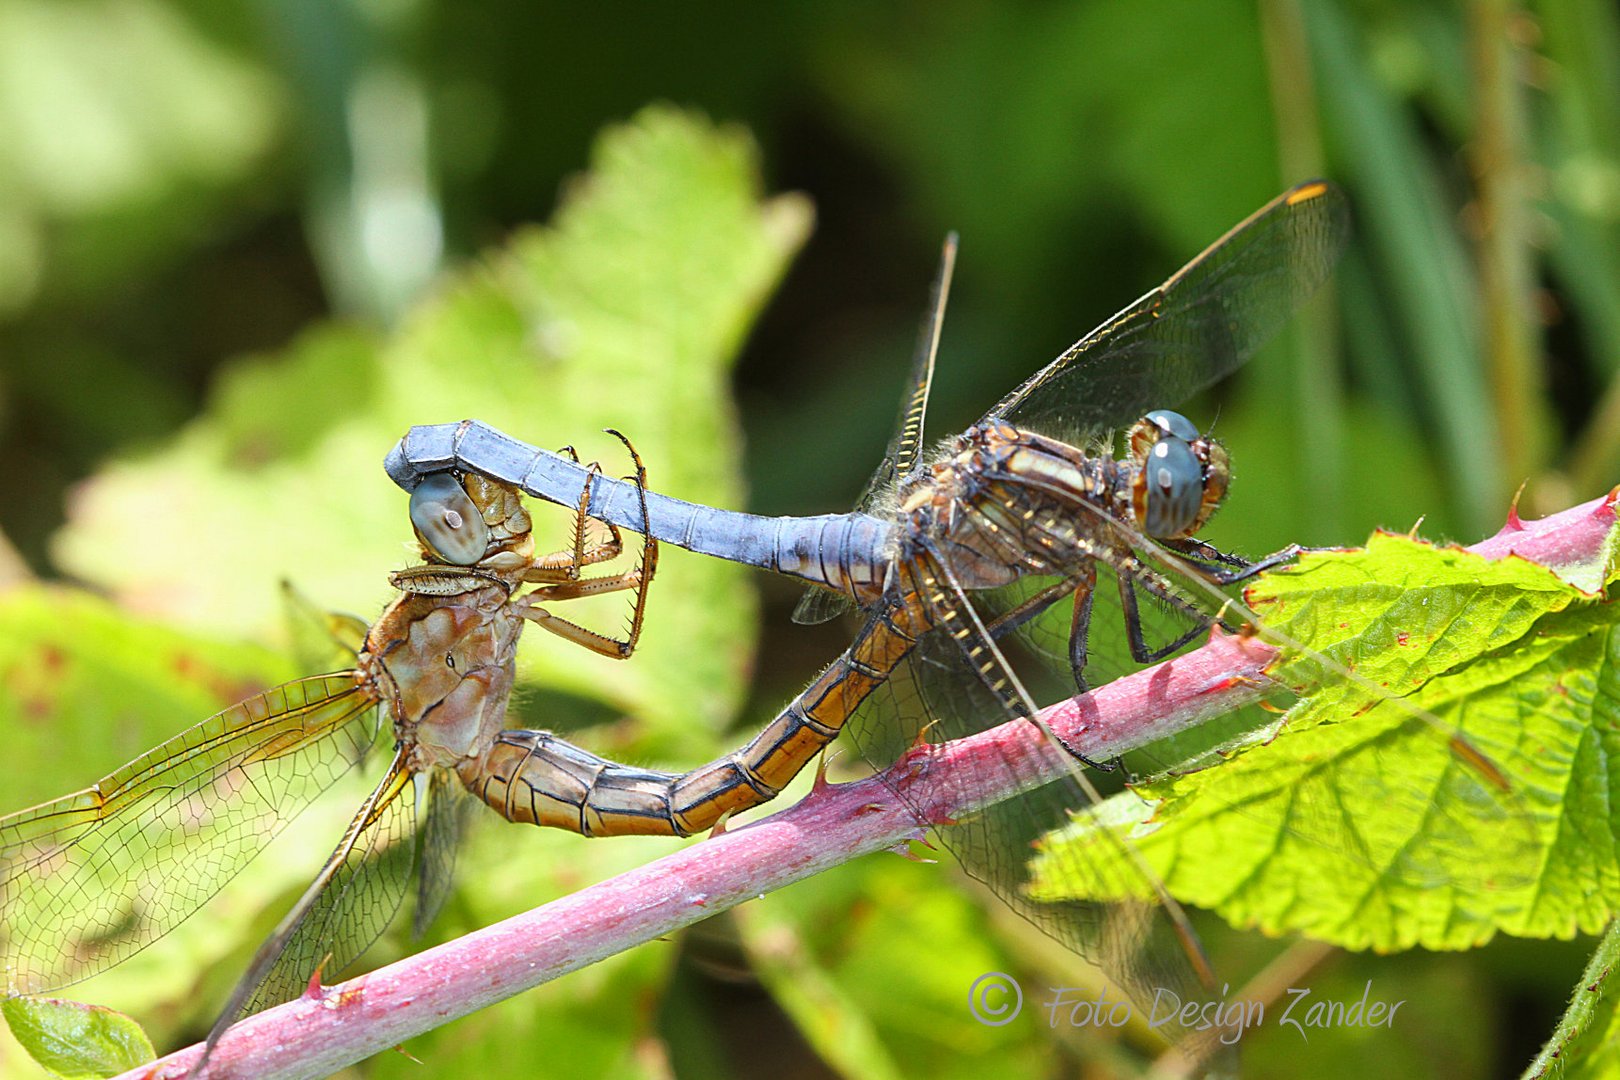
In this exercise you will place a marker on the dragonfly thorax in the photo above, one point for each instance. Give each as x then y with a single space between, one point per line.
1004 504
447 665
1009 502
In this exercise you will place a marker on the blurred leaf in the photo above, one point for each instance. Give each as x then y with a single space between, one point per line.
654 269
1264 509
115 114
1072 130
76 672
74 1040
1436 1022
875 964
1363 825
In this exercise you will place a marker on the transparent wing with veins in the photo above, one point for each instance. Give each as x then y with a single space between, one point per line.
1141 937
1196 328
905 453
91 878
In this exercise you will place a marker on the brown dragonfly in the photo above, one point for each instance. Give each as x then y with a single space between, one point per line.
91 878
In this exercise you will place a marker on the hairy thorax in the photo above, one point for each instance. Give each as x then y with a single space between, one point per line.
1004 501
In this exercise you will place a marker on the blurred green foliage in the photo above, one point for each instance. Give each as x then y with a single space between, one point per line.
234 248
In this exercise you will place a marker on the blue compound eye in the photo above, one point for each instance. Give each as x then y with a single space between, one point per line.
1174 480
1173 423
447 522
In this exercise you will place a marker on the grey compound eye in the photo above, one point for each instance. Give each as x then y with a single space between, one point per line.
1175 487
447 521
1173 423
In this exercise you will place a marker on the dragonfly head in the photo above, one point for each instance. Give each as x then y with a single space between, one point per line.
467 521
447 522
1181 475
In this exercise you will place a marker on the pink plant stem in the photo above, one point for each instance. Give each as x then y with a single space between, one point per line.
336 1026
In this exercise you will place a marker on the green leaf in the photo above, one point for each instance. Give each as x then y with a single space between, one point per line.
875 965
74 1040
122 124
1446 777
655 266
1397 614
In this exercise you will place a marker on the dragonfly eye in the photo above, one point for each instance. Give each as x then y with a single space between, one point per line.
447 521
1173 423
1172 488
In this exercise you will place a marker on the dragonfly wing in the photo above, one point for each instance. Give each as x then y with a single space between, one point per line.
904 455
91 878
449 808
1132 936
819 605
321 639
1196 328
347 907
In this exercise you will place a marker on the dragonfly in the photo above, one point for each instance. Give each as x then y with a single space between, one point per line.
999 533
89 879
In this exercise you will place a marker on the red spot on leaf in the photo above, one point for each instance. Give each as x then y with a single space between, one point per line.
52 659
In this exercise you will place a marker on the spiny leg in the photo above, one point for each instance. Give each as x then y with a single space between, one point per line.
649 546
1276 558
560 566
1079 636
1204 554
1031 607
1224 568
571 586
1080 626
579 635
1134 573
1083 585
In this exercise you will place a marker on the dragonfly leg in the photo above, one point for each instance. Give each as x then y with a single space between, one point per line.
1204 554
565 565
560 566
1030 608
1083 585
1224 568
1080 625
1154 585
1079 635
617 648
557 583
1276 558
